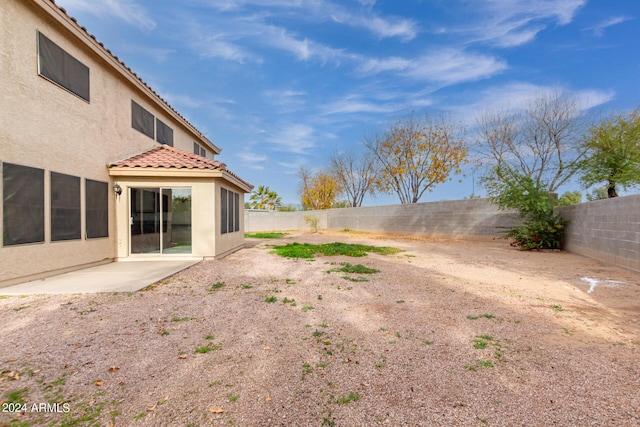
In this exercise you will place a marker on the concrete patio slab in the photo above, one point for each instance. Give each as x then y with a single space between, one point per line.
127 276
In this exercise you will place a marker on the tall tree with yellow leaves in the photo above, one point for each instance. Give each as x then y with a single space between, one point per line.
415 154
318 191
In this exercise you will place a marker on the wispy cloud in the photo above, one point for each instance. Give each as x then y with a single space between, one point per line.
293 138
404 29
517 96
286 100
598 29
252 160
446 66
127 10
508 23
303 48
354 105
324 10
292 167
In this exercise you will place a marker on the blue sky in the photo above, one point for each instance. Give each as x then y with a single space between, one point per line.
280 84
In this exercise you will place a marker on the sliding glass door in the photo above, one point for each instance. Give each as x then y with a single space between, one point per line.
160 220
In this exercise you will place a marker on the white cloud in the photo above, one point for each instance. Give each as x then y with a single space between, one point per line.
445 66
127 10
252 160
404 29
598 29
323 10
303 49
354 105
292 167
452 66
509 23
376 65
517 96
293 138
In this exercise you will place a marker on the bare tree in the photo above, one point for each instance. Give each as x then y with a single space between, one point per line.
415 154
543 142
356 174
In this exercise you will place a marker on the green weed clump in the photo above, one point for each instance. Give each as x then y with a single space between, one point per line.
353 269
306 250
264 235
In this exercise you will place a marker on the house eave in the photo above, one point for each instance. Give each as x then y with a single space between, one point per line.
191 173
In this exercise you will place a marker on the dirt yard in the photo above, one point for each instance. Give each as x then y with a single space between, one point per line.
447 333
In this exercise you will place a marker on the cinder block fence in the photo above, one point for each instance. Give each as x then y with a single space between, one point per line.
608 230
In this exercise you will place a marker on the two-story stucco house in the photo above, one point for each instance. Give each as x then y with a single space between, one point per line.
95 166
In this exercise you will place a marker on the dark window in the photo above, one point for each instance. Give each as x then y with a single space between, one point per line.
22 204
164 134
62 68
223 213
231 212
65 207
197 149
97 208
141 119
236 210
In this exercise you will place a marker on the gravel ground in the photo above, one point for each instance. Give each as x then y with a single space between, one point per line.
447 333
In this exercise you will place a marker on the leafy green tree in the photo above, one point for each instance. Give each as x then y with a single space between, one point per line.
613 158
541 228
416 154
287 208
598 194
264 198
570 198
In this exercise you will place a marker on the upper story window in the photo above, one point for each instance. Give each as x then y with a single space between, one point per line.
197 149
164 134
58 66
142 120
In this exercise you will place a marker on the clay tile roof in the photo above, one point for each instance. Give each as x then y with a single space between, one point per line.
164 156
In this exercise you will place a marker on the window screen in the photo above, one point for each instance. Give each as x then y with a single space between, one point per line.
231 212
97 208
22 204
141 119
164 134
223 215
62 68
65 207
236 210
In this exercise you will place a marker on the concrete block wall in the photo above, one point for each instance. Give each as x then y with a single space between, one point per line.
261 220
607 230
465 219
469 219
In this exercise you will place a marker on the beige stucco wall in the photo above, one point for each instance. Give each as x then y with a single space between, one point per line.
43 125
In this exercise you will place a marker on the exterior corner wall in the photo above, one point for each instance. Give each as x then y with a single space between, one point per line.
607 230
